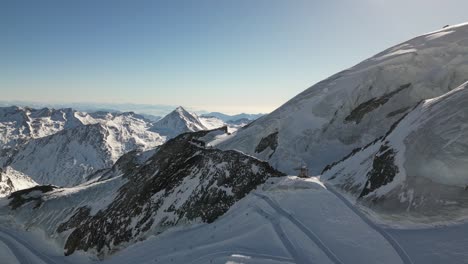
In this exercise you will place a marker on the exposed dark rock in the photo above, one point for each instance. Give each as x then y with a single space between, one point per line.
356 150
361 110
268 141
213 180
34 194
383 170
399 111
352 153
124 165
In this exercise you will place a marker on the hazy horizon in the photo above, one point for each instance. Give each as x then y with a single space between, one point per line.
149 109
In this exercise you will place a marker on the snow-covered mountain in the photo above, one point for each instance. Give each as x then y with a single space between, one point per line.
19 124
177 122
67 158
212 122
64 147
358 105
182 183
229 118
419 167
12 180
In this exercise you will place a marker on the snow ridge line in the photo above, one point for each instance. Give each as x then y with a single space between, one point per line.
298 258
398 248
44 258
311 235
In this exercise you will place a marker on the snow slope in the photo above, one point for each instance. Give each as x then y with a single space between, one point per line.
18 124
177 122
12 180
418 170
212 122
69 157
272 225
358 105
232 126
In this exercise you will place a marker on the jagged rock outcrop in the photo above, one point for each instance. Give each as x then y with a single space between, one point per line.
182 183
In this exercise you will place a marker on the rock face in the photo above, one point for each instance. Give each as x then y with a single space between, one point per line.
418 168
383 170
182 183
356 106
361 110
31 195
270 141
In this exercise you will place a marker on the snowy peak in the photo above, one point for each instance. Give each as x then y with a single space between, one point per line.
19 124
177 122
68 157
354 107
180 109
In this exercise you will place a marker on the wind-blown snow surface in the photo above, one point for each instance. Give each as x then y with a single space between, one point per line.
419 168
286 220
272 225
358 105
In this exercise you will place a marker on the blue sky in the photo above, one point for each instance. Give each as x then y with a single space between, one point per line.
229 56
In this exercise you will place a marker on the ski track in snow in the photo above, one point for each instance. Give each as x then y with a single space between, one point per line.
398 248
311 235
297 256
240 254
23 251
19 255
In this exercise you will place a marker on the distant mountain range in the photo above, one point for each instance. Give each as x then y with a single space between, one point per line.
66 147
232 118
153 112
